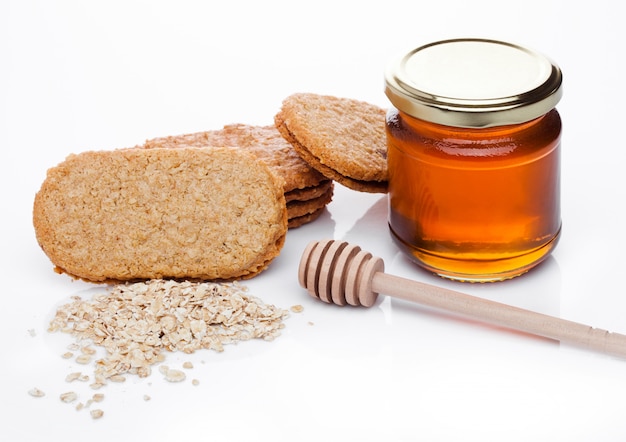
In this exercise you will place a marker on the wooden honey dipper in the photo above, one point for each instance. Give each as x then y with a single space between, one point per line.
340 273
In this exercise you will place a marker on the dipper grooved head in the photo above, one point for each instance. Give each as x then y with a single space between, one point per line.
339 273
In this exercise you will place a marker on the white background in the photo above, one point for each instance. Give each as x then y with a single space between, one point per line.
78 75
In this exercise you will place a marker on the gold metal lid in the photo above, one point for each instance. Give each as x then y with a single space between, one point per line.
473 83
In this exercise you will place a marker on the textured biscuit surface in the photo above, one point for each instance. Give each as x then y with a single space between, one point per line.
128 214
263 141
301 181
342 138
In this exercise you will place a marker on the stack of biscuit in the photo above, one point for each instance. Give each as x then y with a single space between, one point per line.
212 205
307 191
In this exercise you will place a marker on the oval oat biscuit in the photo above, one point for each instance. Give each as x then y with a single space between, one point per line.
128 214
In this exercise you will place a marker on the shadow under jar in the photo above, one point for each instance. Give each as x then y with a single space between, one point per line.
473 156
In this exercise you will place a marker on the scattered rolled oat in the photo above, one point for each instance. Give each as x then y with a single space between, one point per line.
88 350
36 392
67 355
68 397
83 359
96 413
187 365
97 385
195 382
136 322
297 308
98 397
72 376
146 397
173 375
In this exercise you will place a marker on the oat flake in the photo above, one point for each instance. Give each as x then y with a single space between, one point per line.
68 397
36 392
175 376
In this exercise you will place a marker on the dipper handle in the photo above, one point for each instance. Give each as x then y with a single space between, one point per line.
339 273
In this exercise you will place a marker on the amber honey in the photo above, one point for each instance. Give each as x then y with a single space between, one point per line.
475 204
474 188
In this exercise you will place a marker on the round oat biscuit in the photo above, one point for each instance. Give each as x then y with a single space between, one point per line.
342 138
189 213
263 141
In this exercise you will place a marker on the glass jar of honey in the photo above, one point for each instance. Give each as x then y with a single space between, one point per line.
473 156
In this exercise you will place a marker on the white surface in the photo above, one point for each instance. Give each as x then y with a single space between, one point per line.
100 75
